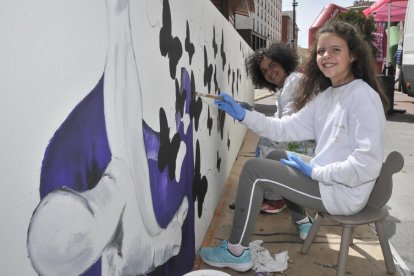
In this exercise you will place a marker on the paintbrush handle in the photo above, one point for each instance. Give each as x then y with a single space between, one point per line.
245 105
208 95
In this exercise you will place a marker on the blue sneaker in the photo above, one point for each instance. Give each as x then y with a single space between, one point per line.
304 229
220 256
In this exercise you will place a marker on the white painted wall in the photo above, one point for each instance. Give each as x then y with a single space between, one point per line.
53 52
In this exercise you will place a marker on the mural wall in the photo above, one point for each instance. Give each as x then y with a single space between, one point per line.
110 164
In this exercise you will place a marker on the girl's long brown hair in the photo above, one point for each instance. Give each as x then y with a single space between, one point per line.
363 67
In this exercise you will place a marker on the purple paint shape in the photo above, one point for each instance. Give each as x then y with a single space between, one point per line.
167 194
78 153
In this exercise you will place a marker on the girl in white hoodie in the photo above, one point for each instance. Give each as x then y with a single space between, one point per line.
342 108
275 68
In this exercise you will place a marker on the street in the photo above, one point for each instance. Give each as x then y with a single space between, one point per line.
399 136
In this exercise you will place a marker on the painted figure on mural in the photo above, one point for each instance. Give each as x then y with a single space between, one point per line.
97 214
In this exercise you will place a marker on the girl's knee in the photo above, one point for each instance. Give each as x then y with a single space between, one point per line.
251 164
250 170
276 155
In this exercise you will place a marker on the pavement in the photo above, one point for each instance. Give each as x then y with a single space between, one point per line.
278 232
399 136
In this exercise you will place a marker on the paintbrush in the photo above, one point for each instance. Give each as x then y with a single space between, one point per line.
207 95
244 104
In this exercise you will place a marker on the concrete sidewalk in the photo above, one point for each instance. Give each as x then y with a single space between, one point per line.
278 231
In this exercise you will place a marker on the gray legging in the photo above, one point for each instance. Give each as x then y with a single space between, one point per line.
259 175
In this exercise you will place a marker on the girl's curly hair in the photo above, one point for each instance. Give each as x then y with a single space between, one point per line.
278 52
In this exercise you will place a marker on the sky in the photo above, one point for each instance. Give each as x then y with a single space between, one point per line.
306 13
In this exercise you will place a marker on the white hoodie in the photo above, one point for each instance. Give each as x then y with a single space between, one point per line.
348 124
285 95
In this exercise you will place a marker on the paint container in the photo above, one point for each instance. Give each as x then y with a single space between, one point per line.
206 272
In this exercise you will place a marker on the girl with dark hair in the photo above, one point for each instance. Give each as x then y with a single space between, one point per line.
274 68
342 107
270 67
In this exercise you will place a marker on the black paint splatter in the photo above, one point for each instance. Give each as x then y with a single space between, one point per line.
228 74
169 45
195 105
221 118
189 47
228 141
215 79
233 80
223 53
218 164
167 154
214 42
209 121
208 71
237 80
200 184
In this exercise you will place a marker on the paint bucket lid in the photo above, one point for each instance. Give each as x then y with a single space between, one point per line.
206 272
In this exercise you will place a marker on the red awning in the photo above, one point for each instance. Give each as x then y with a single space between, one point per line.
328 12
380 10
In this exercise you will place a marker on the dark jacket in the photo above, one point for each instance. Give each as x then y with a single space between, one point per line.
398 56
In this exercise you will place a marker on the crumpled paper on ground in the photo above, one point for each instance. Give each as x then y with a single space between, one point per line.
264 262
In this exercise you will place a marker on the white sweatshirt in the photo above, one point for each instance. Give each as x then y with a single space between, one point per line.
285 95
348 124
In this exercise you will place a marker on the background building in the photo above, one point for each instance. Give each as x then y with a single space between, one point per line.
287 29
260 22
263 25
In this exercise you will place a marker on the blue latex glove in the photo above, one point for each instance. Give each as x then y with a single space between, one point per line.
230 106
296 162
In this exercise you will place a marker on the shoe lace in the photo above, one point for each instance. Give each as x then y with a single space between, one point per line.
223 245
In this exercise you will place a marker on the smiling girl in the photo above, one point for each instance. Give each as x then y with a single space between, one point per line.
341 107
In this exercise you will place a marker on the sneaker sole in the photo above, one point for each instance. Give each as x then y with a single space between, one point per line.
238 268
277 211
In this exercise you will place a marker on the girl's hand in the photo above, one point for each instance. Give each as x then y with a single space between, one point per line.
297 163
230 106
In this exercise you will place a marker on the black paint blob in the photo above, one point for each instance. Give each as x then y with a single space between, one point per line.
209 121
200 183
195 105
168 149
218 164
208 71
169 45
215 47
189 47
223 53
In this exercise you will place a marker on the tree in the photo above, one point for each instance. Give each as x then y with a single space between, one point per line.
366 25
